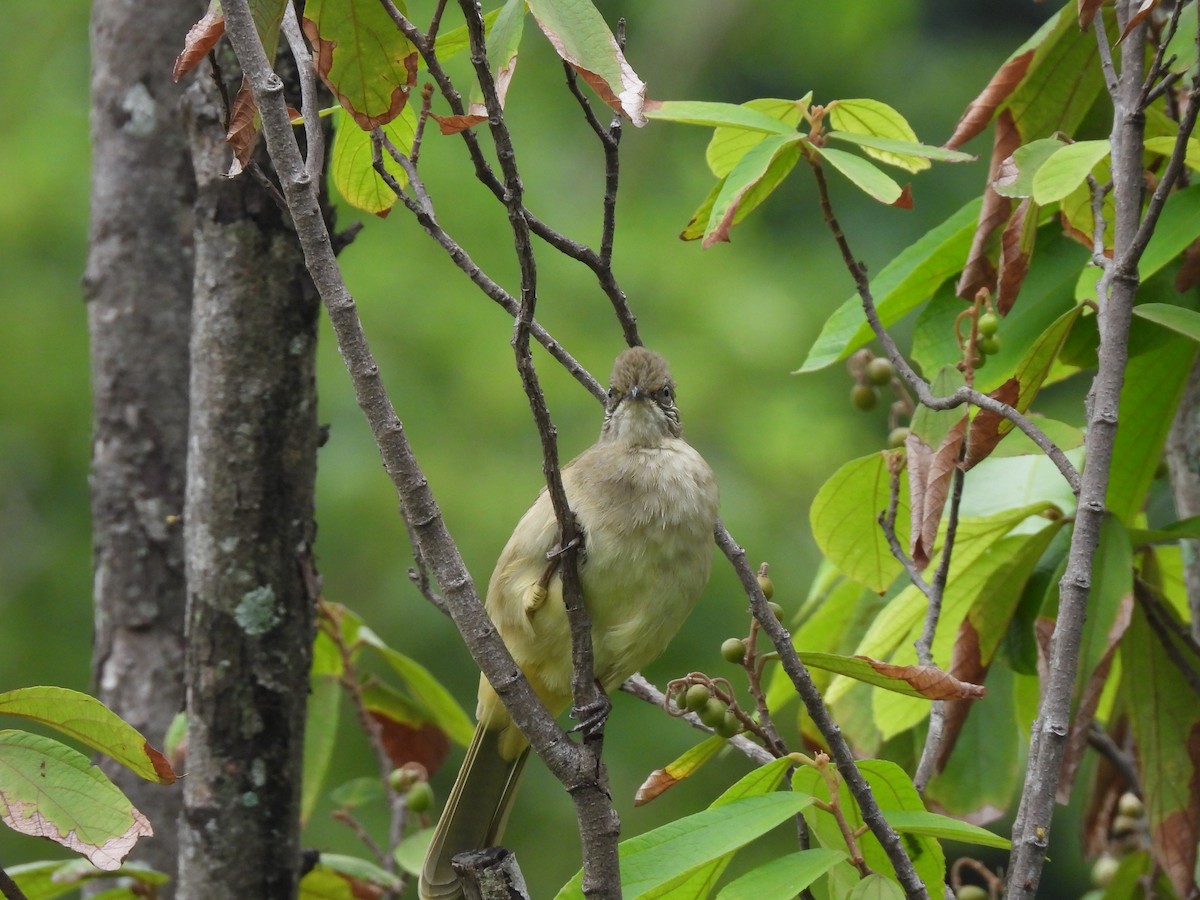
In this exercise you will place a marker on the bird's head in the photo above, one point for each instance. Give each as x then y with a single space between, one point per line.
641 400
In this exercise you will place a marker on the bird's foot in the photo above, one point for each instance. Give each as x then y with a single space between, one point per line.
591 716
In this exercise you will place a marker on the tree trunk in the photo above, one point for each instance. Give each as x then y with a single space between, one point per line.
248 528
138 288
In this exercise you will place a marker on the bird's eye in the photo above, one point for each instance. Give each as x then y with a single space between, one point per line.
612 392
666 393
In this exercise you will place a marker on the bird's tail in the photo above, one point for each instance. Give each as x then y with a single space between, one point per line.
476 811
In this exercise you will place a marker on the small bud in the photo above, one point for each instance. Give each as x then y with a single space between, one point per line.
697 696
419 797
734 650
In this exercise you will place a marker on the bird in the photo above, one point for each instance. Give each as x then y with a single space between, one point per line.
646 505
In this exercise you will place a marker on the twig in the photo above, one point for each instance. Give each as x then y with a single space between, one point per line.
887 522
916 383
1168 635
1101 741
310 108
9 888
815 706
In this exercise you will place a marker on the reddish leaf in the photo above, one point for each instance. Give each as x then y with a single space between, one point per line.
243 128
201 38
1188 275
930 681
425 744
1135 20
929 474
1016 248
979 111
985 431
657 782
905 200
979 271
1087 11
1089 700
455 124
966 665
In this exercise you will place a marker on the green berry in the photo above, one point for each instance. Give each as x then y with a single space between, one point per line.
734 650
863 397
988 344
767 586
1103 870
897 437
776 610
713 713
697 696
980 360
880 371
1131 805
419 797
971 892
989 324
729 725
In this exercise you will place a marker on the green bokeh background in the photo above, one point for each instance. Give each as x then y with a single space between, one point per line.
734 321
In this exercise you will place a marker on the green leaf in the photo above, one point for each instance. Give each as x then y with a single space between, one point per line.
860 669
871 118
716 115
363 57
350 162
581 38
88 720
750 182
49 790
1165 146
656 857
320 736
876 887
360 870
893 791
784 877
919 821
1026 160
358 792
892 151
48 879
456 40
1067 437
1066 169
410 853
729 144
844 522
1178 318
1155 377
1165 719
1184 529
865 176
903 284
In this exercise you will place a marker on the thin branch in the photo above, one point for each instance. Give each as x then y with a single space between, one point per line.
838 748
1101 741
9 888
916 383
310 108
1151 91
887 522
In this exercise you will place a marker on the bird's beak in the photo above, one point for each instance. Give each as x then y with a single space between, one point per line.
636 393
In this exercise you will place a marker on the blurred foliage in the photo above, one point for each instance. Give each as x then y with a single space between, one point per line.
734 321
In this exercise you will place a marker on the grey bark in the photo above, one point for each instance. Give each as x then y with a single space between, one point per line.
138 287
1183 458
249 530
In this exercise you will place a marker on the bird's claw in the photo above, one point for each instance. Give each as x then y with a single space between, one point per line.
592 716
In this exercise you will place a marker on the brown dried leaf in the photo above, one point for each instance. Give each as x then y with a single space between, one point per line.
1089 700
929 474
201 38
1016 248
425 744
979 271
455 124
243 128
1174 838
979 111
1135 20
905 200
985 427
1188 275
1087 11
657 782
966 665
930 681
